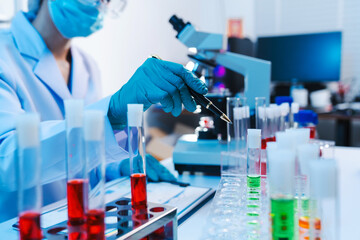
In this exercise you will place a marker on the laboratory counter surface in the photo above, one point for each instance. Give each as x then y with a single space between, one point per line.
349 196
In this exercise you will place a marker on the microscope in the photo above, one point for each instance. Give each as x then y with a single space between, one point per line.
193 153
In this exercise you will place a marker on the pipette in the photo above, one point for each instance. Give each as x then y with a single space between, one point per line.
204 101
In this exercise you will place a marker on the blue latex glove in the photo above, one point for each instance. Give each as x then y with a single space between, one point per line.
155 172
156 81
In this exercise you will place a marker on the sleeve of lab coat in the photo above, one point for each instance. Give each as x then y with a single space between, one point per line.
52 140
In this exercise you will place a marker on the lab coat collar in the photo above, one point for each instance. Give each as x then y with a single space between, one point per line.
79 75
31 44
27 38
48 71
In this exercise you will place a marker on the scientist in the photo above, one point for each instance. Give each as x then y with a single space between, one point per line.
40 68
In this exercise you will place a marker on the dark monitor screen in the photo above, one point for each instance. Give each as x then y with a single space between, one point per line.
303 58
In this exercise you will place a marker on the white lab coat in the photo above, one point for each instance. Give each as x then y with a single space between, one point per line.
30 81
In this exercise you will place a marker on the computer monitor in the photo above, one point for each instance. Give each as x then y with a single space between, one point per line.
302 58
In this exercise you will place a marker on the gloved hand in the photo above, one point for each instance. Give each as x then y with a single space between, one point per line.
155 172
156 81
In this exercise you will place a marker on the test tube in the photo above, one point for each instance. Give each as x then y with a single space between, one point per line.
254 181
281 180
136 144
324 216
306 153
284 120
76 169
253 158
235 131
247 120
95 159
295 107
277 116
29 176
260 112
271 124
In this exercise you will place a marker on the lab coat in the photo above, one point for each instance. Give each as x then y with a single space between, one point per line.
30 81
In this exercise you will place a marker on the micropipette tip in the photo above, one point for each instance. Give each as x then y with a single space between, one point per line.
225 118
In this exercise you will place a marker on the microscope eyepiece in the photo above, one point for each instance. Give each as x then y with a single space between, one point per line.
177 23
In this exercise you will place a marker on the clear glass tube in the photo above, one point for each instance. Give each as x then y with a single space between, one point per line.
306 153
324 215
29 176
271 124
260 112
254 183
95 160
284 119
136 144
281 180
236 131
76 170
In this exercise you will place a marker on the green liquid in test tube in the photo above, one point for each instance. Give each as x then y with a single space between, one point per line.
282 215
282 188
253 175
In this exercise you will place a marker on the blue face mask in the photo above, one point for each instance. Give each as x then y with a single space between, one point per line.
75 19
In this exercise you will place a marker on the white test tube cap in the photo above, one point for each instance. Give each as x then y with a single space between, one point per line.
295 107
237 113
284 140
307 153
301 136
27 128
262 112
135 114
285 108
270 112
254 138
276 109
323 178
93 125
74 112
247 111
282 170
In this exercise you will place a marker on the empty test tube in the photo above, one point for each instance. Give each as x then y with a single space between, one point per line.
236 131
29 176
136 143
284 120
295 107
95 159
76 169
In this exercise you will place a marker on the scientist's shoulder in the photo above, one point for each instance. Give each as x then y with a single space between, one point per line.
8 54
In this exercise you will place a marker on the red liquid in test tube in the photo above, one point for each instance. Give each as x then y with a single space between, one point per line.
138 190
77 196
95 224
312 132
29 223
263 143
263 168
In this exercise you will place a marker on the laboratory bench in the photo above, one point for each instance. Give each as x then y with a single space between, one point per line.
349 196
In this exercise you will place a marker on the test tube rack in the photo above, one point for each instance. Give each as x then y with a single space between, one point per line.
124 223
